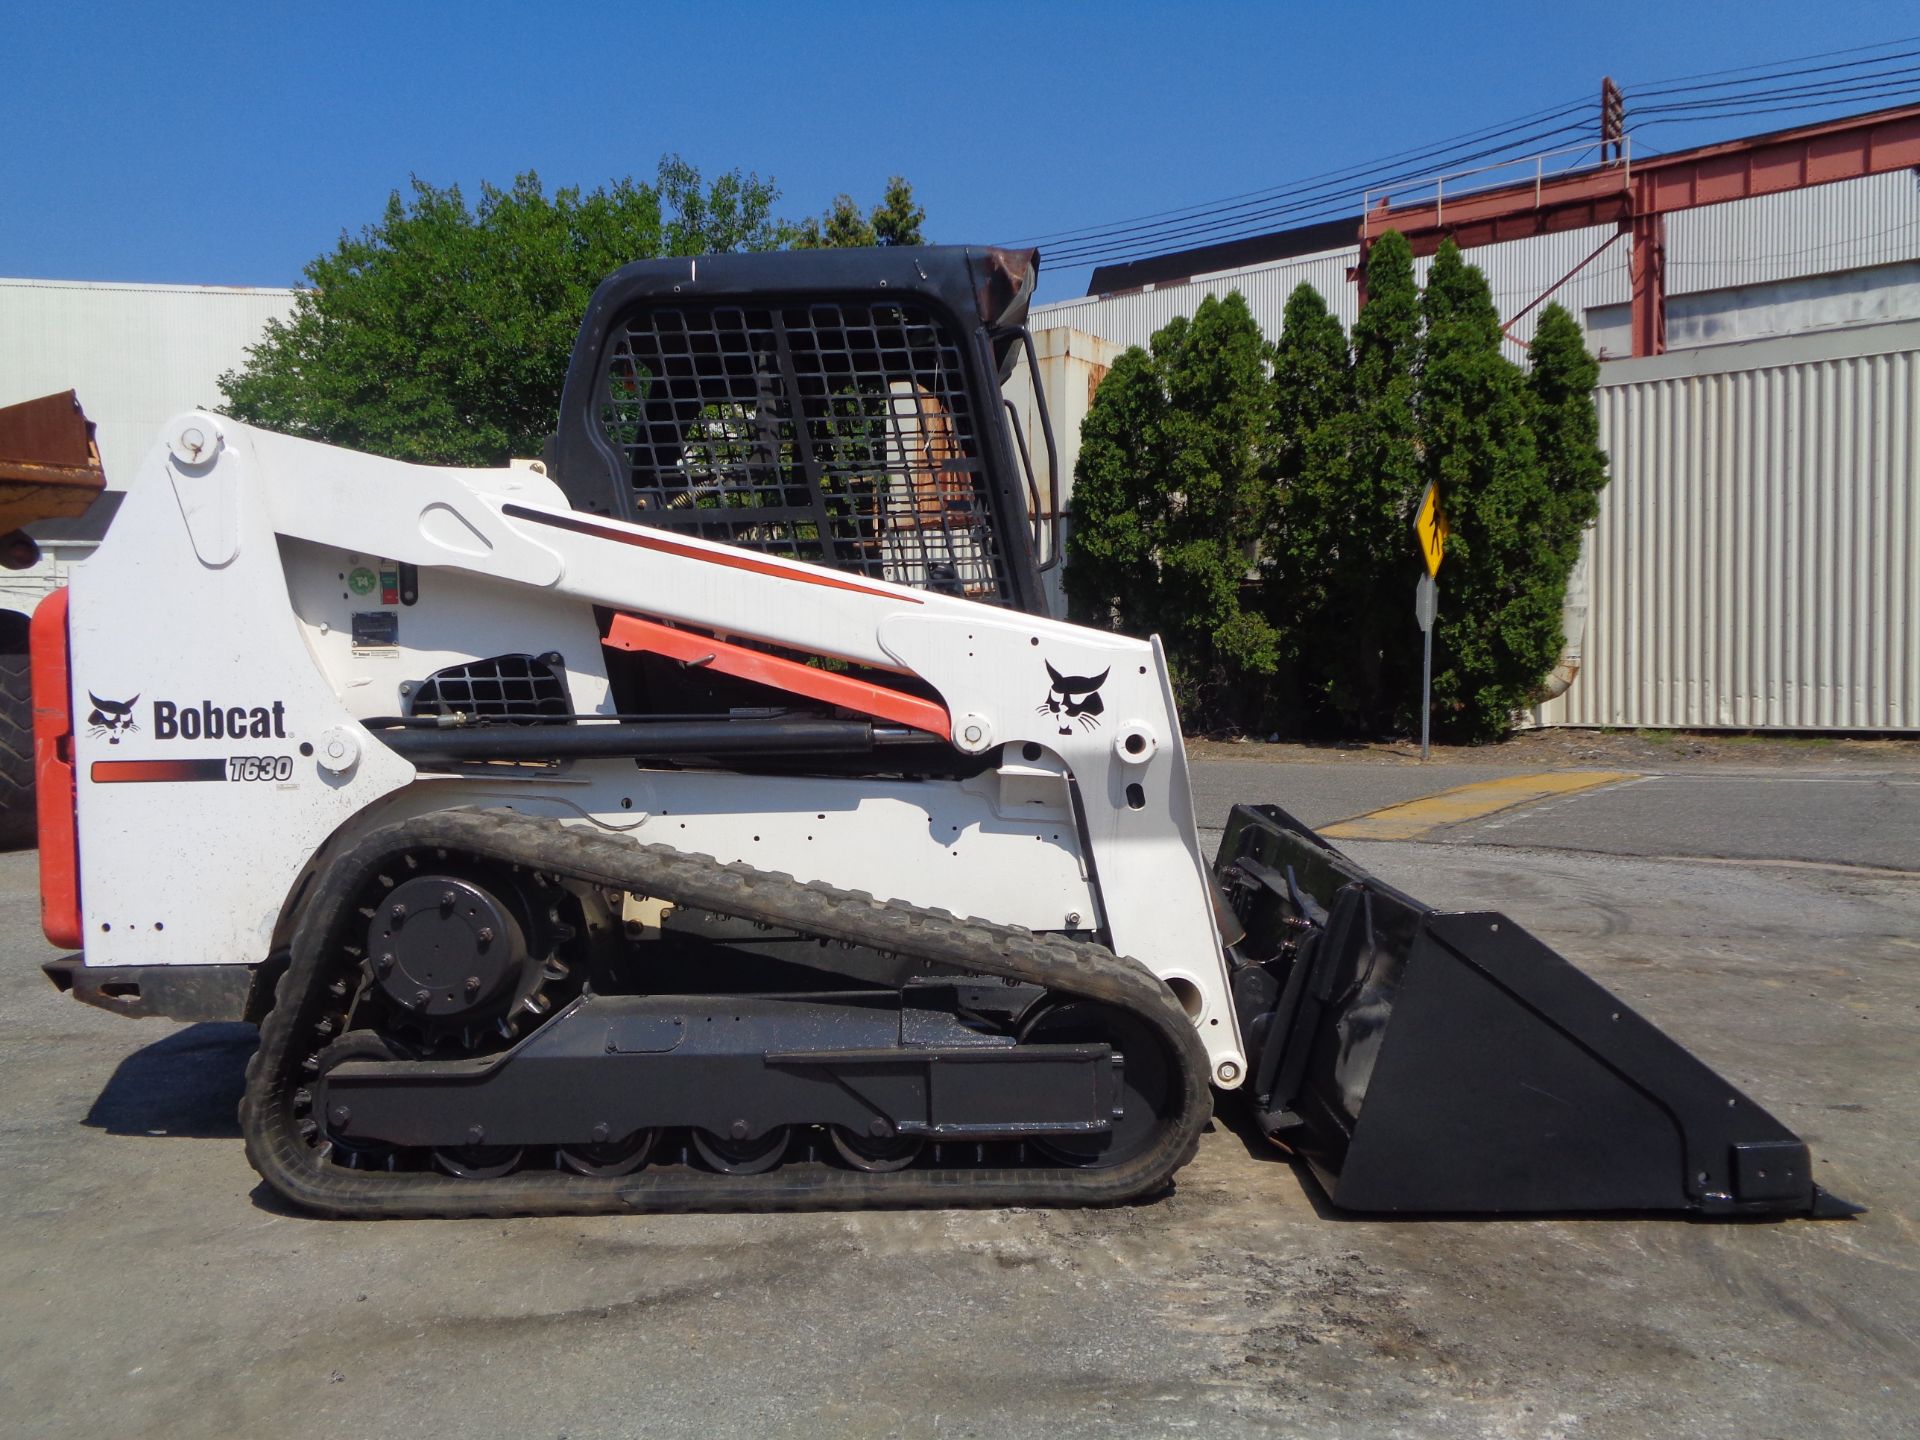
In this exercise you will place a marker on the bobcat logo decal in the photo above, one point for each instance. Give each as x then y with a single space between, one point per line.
111 718
1074 699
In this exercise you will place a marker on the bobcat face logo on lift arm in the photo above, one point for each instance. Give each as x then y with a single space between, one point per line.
111 718
1075 698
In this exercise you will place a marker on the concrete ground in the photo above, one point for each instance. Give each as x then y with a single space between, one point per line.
1769 916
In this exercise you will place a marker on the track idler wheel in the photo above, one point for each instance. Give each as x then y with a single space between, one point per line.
1146 1085
479 1162
743 1157
357 1045
614 1157
876 1156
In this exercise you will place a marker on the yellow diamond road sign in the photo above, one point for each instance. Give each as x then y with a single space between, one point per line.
1431 526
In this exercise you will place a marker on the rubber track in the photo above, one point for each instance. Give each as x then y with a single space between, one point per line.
17 818
291 1166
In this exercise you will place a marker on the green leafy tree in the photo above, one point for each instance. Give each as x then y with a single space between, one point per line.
1312 440
1504 580
442 332
734 213
1170 495
896 220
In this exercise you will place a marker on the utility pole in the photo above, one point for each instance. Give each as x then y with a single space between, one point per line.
1613 122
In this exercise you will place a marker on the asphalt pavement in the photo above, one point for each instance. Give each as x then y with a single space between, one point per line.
1857 815
150 1286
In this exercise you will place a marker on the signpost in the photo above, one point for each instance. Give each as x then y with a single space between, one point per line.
1430 525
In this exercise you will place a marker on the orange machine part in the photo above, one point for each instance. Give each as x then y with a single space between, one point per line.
53 773
630 632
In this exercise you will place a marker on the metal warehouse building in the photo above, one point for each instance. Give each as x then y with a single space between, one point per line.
1834 255
1756 562
137 355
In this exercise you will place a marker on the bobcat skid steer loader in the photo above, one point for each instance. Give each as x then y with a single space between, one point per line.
707 816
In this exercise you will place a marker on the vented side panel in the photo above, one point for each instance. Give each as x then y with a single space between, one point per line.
501 687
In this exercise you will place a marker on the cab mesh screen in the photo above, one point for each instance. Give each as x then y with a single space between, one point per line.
837 433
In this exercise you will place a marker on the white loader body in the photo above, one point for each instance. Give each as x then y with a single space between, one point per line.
230 608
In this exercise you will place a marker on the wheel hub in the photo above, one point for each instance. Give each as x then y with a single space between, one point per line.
443 947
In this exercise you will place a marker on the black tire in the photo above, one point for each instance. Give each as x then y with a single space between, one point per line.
17 819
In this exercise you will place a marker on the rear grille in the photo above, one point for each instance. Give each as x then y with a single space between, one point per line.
837 433
501 687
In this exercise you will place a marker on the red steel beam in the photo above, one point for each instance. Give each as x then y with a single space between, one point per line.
1844 149
1635 195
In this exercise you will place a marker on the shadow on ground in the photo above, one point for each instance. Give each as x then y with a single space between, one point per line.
188 1084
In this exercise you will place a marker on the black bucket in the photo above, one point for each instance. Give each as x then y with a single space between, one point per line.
1451 1063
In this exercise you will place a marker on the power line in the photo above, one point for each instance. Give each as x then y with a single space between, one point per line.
1332 193
1761 65
1826 88
1093 256
1222 226
1644 90
1327 206
1328 202
1790 107
1470 137
1286 187
1334 197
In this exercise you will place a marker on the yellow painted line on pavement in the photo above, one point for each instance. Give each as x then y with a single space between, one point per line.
1414 818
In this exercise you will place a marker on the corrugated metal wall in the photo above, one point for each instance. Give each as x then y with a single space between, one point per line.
1857 223
1072 365
1131 319
137 354
1756 563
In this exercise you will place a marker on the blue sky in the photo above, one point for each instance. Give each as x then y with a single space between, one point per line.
230 144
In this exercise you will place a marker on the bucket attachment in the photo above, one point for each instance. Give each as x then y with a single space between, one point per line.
1430 1062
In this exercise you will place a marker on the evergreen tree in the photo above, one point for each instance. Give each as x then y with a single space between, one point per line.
1169 502
841 226
1567 427
1504 578
1119 505
1358 665
896 220
1312 379
1312 420
1190 465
